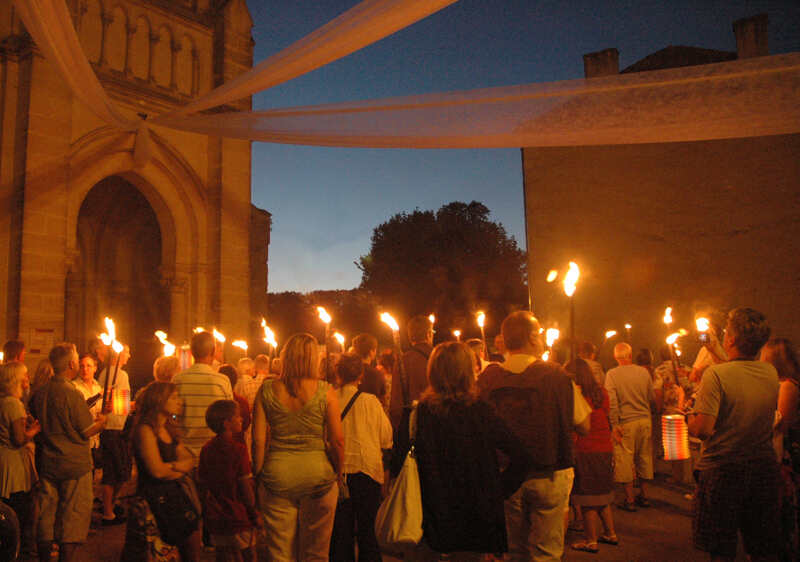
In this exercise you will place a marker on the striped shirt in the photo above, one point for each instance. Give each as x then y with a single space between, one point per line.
199 386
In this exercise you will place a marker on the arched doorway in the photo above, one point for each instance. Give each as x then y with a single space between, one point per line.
117 273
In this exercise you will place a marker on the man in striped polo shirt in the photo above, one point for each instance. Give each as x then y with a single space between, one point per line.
199 386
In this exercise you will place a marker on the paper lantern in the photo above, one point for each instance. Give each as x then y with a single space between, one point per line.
185 356
121 402
675 436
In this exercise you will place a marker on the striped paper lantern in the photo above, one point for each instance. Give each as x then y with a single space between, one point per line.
675 436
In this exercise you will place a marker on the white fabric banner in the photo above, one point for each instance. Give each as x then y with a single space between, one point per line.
743 98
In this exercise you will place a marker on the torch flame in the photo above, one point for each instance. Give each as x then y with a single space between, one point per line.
571 279
339 337
198 329
672 338
111 330
546 356
431 319
389 320
628 326
702 324
677 351
611 334
117 347
323 315
551 335
668 315
683 332
481 319
169 349
106 339
551 276
457 334
241 344
2 356
218 336
269 335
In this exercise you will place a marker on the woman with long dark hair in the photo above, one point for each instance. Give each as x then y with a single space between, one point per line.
456 440
593 490
786 437
296 480
163 514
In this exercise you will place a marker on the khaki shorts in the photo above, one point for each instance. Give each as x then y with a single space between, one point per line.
66 509
635 451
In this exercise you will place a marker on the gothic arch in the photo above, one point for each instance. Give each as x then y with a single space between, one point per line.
176 195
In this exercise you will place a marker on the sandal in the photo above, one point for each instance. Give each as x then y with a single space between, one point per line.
608 539
586 546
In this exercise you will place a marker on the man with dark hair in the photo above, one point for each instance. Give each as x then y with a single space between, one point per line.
64 458
372 381
14 350
199 386
738 483
588 352
543 407
415 363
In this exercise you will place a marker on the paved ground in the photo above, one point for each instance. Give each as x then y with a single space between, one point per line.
660 533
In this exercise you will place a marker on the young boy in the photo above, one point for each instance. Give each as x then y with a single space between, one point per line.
229 504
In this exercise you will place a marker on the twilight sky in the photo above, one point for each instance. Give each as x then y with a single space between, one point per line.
326 201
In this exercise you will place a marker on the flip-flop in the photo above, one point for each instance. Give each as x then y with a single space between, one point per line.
608 539
585 546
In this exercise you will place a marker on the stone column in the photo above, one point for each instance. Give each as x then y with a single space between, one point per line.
175 48
195 71
154 37
177 284
130 31
106 20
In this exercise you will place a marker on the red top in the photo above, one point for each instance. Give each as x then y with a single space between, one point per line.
598 439
222 463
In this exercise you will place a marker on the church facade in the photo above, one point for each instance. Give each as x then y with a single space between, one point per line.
86 232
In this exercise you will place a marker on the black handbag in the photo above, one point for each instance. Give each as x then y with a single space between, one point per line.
174 512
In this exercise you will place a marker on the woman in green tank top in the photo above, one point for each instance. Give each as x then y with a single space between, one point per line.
298 452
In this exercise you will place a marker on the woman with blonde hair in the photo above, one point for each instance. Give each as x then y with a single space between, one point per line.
456 438
294 417
17 475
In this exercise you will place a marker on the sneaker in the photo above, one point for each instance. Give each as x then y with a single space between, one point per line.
116 521
642 501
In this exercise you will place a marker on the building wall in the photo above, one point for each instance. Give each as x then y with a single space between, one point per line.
699 226
150 55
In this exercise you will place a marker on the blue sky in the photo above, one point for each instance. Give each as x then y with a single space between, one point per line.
326 201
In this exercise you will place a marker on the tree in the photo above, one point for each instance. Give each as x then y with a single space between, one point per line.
452 262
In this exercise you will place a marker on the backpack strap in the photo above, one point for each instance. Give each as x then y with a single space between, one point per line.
350 404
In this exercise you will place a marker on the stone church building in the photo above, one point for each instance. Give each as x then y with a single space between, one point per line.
699 226
84 232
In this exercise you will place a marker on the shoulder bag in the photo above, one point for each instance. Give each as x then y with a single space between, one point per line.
398 524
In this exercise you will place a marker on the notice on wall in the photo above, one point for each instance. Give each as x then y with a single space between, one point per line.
41 341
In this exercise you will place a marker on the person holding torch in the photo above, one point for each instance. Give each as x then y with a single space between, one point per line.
415 363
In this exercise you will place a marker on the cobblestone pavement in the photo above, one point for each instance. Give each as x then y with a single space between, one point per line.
659 533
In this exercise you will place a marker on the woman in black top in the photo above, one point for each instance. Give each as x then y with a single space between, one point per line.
457 439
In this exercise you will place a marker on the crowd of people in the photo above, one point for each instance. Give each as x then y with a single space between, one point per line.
293 457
